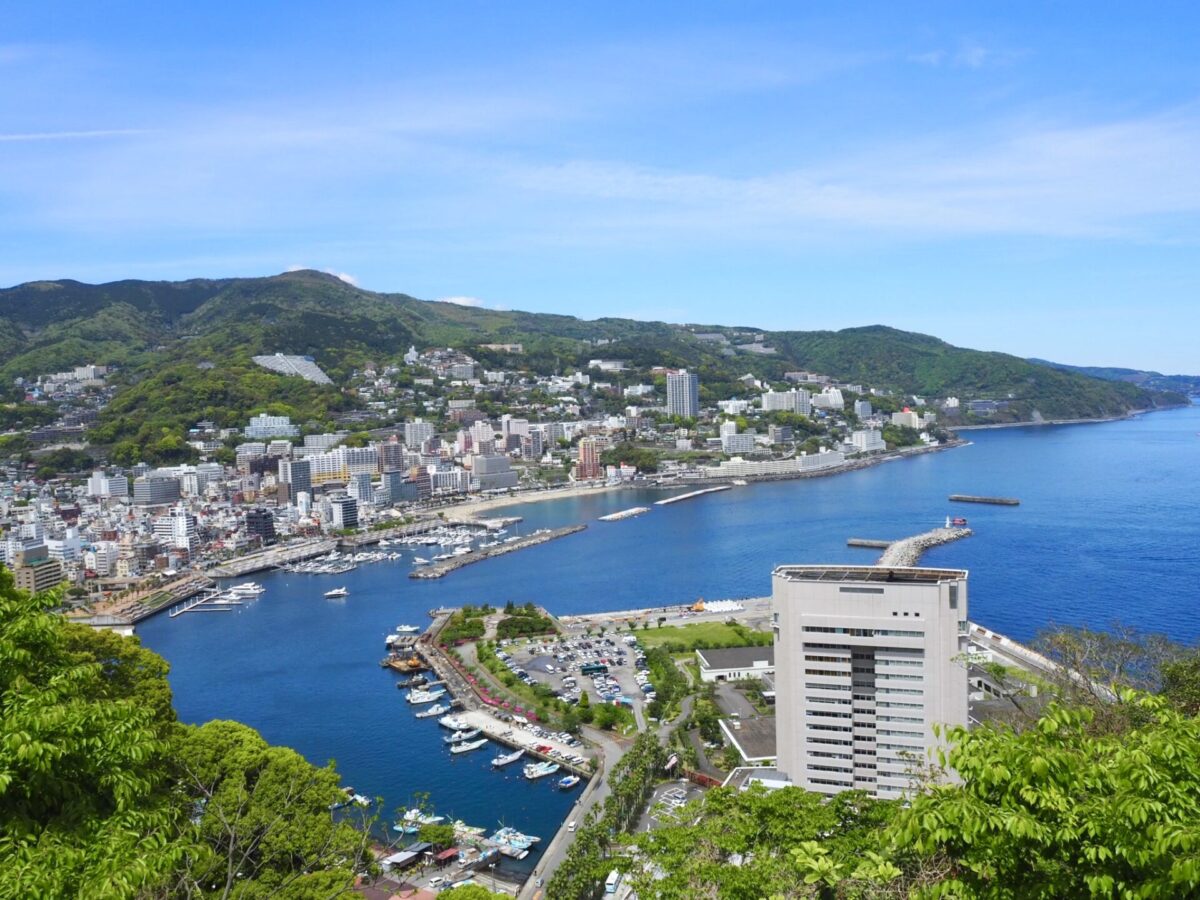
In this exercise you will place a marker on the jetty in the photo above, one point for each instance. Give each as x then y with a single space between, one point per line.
625 514
908 551
693 494
995 501
866 542
446 566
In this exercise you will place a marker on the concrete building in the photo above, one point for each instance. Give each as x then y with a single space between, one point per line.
101 485
154 491
491 473
178 529
295 475
780 434
683 394
34 571
867 662
588 467
417 432
734 663
737 443
360 487
906 418
265 426
868 440
343 511
260 523
796 401
737 467
862 409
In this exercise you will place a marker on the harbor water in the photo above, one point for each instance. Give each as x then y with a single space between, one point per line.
1108 530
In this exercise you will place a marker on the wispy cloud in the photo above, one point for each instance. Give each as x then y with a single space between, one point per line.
20 137
462 301
967 54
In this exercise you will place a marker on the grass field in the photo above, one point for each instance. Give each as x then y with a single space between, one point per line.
700 634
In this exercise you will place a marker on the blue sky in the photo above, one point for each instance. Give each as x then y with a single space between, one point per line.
1016 177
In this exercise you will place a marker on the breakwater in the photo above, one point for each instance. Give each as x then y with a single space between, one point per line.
994 501
446 566
692 494
908 551
865 542
625 514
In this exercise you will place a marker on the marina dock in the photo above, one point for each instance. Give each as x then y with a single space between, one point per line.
446 566
693 494
271 558
994 501
625 514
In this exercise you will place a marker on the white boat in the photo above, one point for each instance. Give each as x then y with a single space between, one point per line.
534 771
337 592
569 782
420 818
459 736
468 746
435 710
425 696
501 761
420 561
454 723
246 589
407 629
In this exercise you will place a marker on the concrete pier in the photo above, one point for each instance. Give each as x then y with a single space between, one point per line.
908 551
692 494
446 566
994 501
625 514
864 542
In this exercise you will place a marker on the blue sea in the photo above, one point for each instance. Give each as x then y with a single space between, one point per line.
1108 530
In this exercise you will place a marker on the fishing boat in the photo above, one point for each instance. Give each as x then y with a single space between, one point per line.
407 629
569 782
337 592
501 761
468 746
454 723
425 696
534 771
437 709
460 736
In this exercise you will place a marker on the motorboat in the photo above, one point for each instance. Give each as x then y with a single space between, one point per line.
534 771
468 746
420 561
337 592
569 782
407 629
454 723
501 761
459 736
436 710
425 696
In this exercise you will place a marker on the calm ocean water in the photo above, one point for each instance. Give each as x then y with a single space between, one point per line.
1108 530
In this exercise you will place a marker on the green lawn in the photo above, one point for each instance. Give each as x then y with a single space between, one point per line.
688 637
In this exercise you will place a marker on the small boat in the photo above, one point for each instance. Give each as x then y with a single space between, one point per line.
569 782
420 561
459 736
454 723
468 746
425 696
337 592
534 771
407 629
501 761
437 709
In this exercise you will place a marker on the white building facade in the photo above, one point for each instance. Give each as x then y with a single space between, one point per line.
867 661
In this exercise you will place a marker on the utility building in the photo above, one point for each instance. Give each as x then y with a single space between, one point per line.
867 661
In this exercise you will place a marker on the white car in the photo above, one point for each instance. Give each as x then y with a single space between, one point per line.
436 881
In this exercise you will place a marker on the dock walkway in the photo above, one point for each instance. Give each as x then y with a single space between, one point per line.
446 566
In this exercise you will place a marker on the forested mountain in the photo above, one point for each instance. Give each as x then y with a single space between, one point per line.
1155 381
185 348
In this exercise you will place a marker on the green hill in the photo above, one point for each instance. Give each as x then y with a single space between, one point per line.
184 351
1155 381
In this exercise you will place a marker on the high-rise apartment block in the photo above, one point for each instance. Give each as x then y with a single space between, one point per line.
588 468
868 659
683 394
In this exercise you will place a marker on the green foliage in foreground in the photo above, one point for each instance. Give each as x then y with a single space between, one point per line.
1056 810
103 794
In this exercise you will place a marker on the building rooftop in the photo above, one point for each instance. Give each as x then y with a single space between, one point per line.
736 657
753 738
875 574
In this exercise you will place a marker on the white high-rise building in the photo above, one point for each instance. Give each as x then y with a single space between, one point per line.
868 440
417 432
177 529
797 401
683 394
868 660
265 426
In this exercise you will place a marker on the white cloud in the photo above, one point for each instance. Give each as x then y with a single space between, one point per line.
344 276
462 301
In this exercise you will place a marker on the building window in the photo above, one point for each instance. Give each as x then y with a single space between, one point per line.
954 596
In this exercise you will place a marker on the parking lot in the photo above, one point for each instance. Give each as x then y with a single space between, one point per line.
611 669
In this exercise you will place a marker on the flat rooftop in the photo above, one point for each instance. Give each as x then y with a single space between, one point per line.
753 738
877 574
